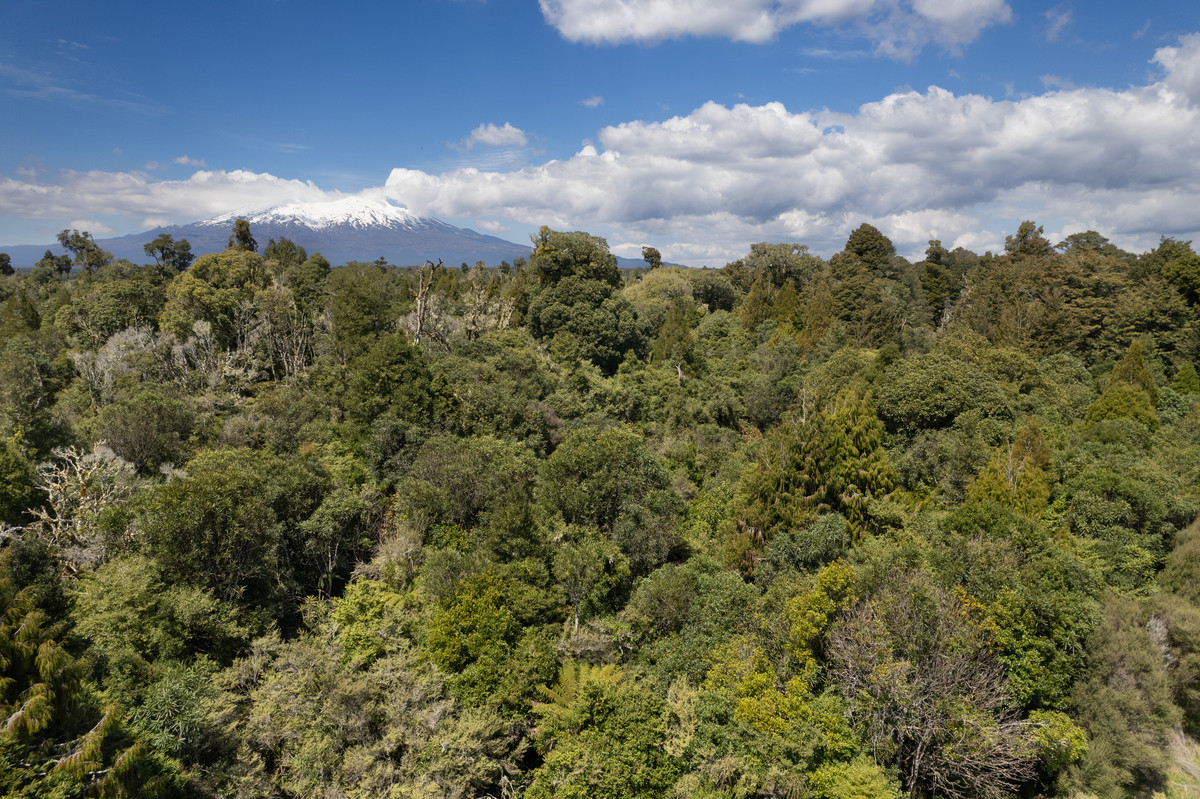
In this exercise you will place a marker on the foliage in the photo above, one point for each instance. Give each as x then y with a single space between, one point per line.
916 667
798 526
609 479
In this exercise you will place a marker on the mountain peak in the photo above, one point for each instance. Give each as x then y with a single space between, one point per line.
352 212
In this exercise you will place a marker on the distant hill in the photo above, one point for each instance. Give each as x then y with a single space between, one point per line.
352 228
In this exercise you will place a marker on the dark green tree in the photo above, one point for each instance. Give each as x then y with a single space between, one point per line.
871 247
1027 242
53 265
575 303
241 238
558 255
6 267
936 278
285 253
652 257
84 251
609 479
170 255
860 469
18 491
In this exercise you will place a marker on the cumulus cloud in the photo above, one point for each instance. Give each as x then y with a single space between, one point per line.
490 135
899 28
1182 66
930 164
188 161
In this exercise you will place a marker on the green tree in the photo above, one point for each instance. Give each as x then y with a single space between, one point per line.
871 247
652 257
609 743
57 740
6 267
390 376
169 255
18 486
937 279
1129 394
1027 242
84 251
860 468
558 255
233 527
776 264
609 479
787 488
1186 381
145 428
591 569
241 238
218 289
54 265
1016 476
285 254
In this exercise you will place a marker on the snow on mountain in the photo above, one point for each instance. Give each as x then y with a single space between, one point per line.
350 212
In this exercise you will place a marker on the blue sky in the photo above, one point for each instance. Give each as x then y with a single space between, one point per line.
694 126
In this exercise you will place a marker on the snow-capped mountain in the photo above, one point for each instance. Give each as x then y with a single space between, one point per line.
343 230
353 212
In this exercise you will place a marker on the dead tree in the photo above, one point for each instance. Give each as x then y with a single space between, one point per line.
421 292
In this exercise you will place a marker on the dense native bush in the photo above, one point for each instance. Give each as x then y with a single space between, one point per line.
845 527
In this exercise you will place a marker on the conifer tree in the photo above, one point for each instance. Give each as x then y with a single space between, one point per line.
860 466
787 489
1186 381
1130 393
757 307
1016 476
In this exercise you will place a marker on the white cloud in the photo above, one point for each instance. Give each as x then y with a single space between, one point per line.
490 135
491 226
95 228
1057 82
70 194
1182 65
187 161
593 102
928 164
1057 19
899 28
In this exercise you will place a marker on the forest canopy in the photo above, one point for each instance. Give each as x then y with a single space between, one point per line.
795 527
